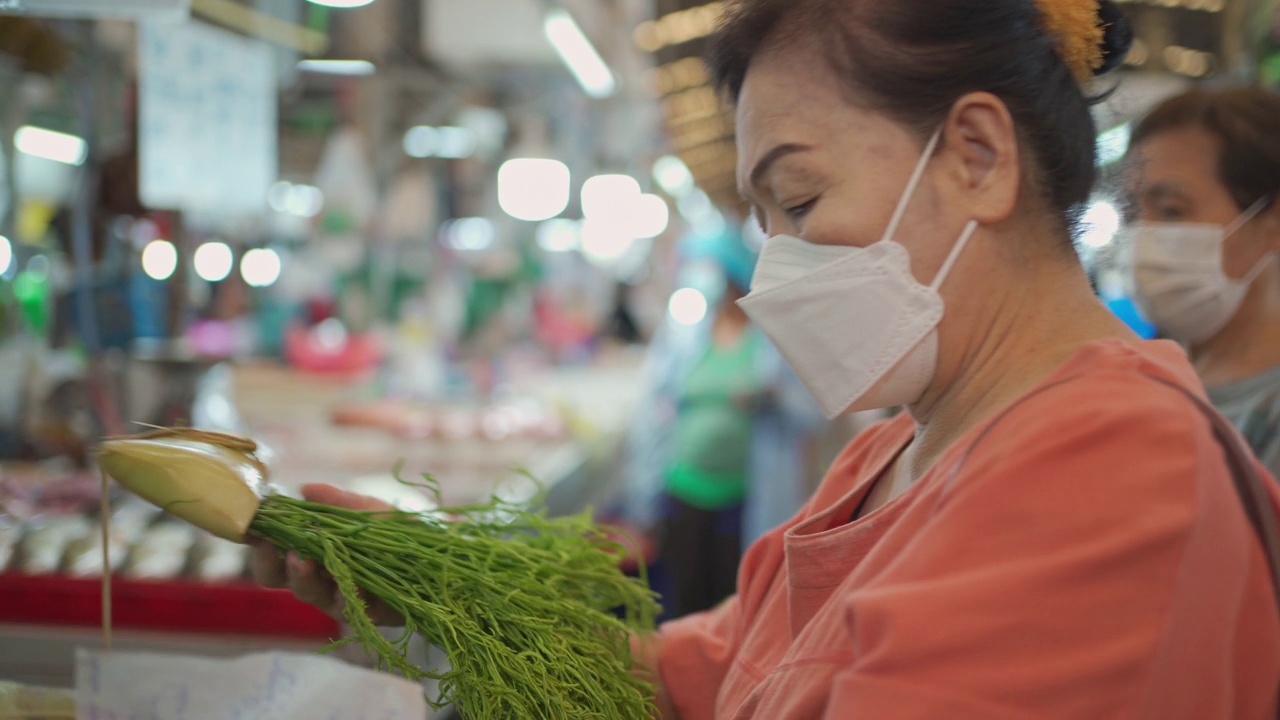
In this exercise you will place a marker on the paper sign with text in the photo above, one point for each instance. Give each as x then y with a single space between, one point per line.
271 686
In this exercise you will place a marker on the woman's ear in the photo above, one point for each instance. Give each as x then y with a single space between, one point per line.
980 134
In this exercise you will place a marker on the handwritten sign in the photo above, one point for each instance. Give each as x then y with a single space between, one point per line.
271 686
207 134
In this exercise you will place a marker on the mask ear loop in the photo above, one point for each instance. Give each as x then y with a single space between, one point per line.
912 184
1254 211
969 230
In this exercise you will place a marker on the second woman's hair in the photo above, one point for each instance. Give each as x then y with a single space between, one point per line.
1246 124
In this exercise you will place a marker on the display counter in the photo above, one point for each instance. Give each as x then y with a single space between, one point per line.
177 589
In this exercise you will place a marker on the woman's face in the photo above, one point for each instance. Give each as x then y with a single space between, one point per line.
1175 179
816 167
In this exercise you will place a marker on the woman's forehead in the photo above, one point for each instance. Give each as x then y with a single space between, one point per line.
1187 154
777 91
778 103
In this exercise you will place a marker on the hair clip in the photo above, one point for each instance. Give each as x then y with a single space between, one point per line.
1078 33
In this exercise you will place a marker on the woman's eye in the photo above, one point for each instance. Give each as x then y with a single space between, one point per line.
1170 213
797 212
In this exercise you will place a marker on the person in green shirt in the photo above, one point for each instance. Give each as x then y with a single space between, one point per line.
724 442
706 481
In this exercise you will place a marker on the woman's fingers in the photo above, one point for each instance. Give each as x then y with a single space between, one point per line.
330 495
379 613
267 564
305 578
383 616
311 584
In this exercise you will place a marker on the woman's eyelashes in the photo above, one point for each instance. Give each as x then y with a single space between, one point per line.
775 217
797 212
1169 212
761 219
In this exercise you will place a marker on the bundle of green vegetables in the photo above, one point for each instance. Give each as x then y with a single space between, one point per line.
524 604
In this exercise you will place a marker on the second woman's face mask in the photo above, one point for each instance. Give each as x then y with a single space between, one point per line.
854 324
1177 278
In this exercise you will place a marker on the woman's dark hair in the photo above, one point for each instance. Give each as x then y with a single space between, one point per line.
1246 123
912 59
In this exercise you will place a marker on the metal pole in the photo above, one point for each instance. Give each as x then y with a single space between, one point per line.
86 196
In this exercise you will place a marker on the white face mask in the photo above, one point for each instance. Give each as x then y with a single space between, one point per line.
1175 270
853 323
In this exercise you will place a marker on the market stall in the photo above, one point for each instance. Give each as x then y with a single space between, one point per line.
484 242
204 225
181 589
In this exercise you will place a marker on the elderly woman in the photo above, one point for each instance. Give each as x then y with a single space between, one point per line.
1052 529
1206 190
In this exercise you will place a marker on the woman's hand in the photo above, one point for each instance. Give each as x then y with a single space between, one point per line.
308 581
645 652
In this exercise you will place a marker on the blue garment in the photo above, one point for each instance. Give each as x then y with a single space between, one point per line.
728 251
1128 312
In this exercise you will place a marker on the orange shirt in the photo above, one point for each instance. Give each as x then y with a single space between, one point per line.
1083 554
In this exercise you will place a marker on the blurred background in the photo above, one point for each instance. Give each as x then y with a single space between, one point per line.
478 236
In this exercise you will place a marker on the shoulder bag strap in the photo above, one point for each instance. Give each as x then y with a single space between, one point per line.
1251 485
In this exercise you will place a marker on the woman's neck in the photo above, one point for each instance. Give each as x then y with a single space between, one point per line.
1250 344
1039 325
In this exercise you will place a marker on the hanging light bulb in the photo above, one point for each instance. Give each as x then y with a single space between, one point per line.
260 267
159 259
214 261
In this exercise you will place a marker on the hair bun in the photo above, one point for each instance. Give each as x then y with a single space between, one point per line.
1117 37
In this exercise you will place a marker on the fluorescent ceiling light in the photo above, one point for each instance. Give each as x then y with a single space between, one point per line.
559 235
606 195
673 176
605 240
451 143
650 216
533 189
1114 144
1102 222
421 141
472 233
617 200
342 3
578 54
456 143
124 9
337 67
305 201
50 145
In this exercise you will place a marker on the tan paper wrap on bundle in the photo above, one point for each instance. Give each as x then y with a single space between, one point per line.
212 481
